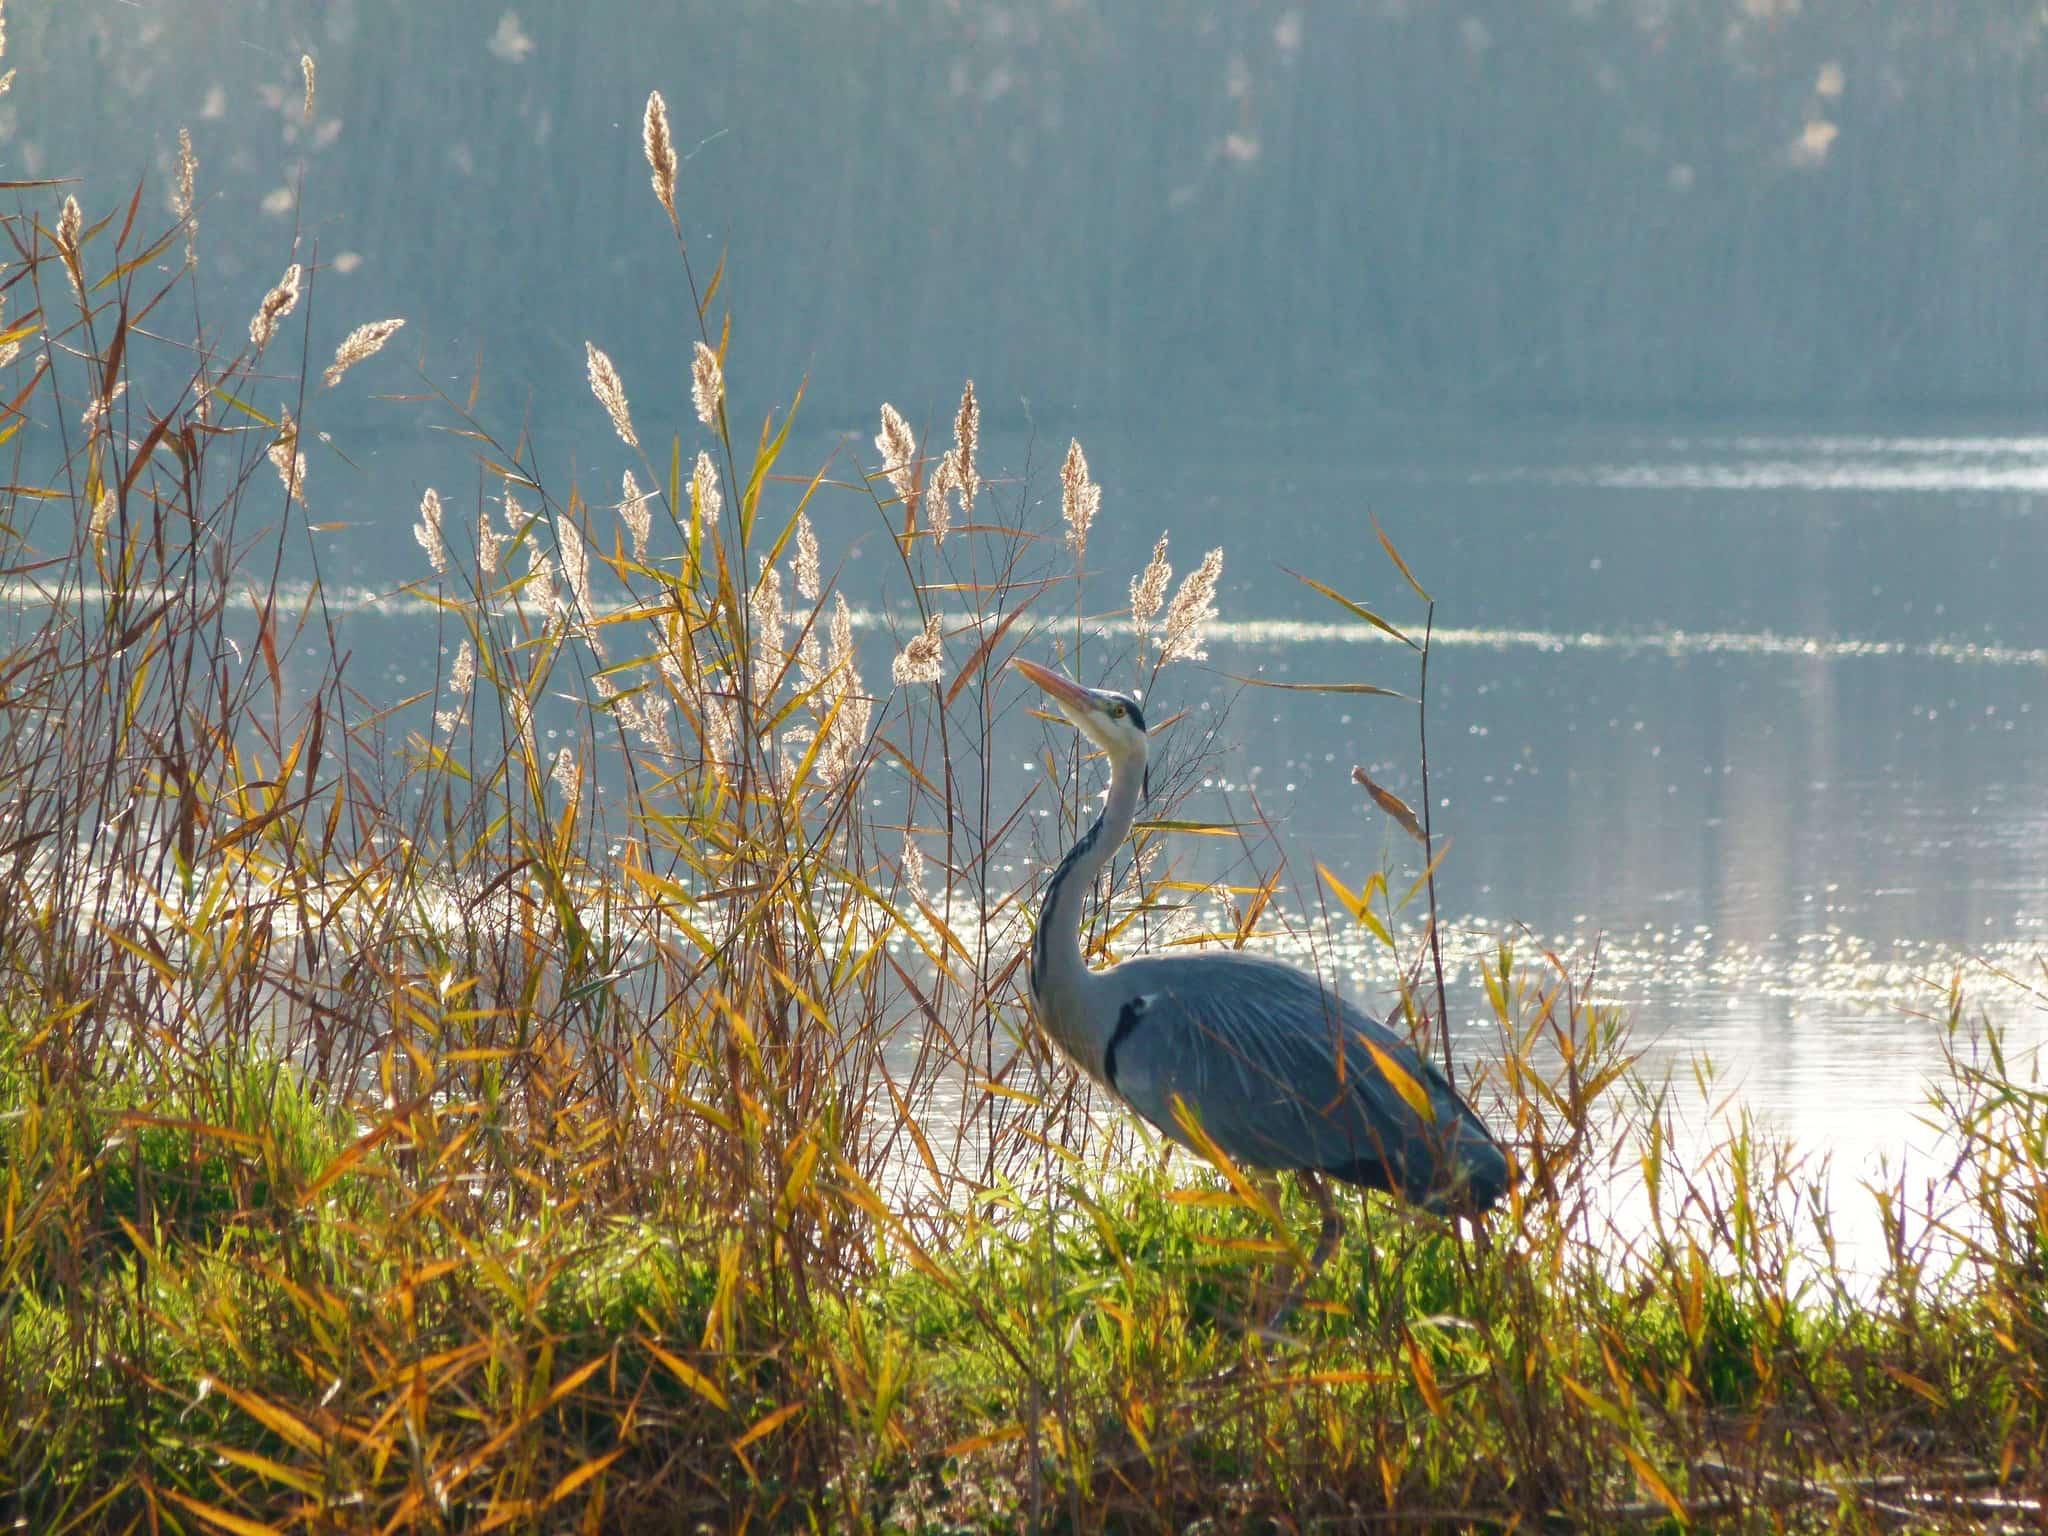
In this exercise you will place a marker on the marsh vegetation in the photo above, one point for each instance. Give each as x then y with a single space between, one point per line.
594 1090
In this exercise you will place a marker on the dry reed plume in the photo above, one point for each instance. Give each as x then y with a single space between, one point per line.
611 394
427 532
70 230
704 493
919 660
707 385
361 344
809 579
897 445
1148 588
1080 498
488 542
287 460
1194 608
184 201
634 513
661 155
276 305
966 445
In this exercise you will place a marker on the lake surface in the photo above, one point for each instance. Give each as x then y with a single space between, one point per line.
1759 716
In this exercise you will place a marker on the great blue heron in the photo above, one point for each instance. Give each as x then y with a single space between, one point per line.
1273 1067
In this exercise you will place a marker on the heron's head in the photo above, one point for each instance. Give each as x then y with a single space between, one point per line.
1113 721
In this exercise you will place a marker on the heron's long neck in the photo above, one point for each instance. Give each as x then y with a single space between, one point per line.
1058 973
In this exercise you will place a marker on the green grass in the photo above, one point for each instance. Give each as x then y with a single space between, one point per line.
402 1126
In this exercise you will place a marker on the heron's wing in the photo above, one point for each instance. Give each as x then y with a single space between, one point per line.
1283 1074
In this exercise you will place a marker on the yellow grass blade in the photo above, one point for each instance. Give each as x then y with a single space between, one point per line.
1425 1377
690 1377
220 1519
583 1474
276 1420
768 1424
1659 1489
1404 1082
263 1466
982 1442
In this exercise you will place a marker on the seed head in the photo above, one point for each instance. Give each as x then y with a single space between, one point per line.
842 637
897 445
611 394
184 203
921 660
707 385
488 544
363 342
938 498
1080 497
1194 606
661 155
764 607
277 303
460 681
840 753
568 777
70 226
306 69
966 440
810 653
634 514
808 581
720 725
540 582
1148 589
96 412
289 462
576 571
704 486
912 862
428 531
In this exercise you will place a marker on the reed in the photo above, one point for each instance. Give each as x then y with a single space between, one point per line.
405 1124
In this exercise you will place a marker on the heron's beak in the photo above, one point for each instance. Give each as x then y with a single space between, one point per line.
1077 701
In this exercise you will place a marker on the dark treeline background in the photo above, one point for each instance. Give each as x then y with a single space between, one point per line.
1203 207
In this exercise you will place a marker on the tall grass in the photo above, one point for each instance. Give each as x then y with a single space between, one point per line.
411 1121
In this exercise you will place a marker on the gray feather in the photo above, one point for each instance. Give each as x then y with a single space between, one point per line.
1277 1071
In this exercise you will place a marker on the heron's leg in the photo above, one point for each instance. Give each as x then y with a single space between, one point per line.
1326 1244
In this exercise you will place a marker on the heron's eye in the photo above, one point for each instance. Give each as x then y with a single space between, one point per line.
1116 711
